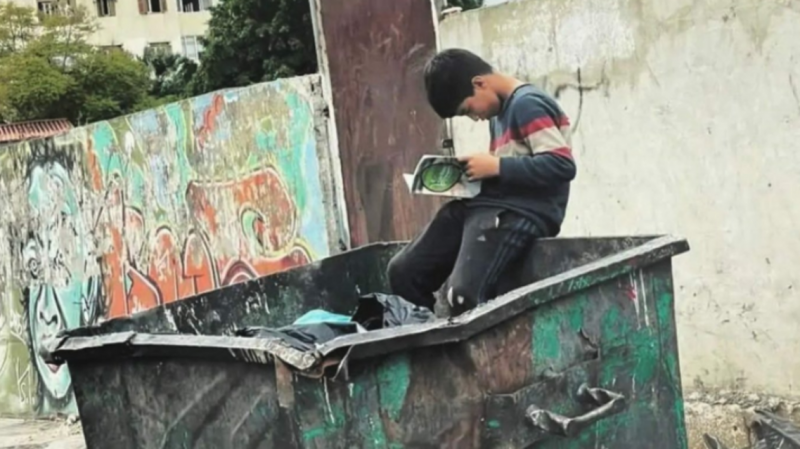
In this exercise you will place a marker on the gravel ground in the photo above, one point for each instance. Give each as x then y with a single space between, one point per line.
40 434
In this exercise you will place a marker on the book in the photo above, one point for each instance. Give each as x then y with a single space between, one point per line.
443 176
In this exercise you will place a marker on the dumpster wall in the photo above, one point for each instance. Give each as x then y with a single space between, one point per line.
686 117
121 216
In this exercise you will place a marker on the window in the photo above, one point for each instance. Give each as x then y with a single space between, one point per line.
47 8
152 6
106 8
110 48
156 6
163 48
193 5
54 7
192 47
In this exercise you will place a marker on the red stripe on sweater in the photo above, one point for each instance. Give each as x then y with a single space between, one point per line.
563 152
535 126
525 131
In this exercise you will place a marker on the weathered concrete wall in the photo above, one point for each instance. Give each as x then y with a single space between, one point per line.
687 117
121 216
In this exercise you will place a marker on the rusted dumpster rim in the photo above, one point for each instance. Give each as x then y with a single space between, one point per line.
357 346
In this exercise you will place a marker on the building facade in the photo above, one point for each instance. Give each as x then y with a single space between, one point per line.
169 25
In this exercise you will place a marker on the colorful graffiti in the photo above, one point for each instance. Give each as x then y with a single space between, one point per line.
18 382
121 216
159 266
58 259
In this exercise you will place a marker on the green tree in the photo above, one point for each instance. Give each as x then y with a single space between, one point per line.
17 26
35 88
465 4
250 41
171 74
48 69
112 83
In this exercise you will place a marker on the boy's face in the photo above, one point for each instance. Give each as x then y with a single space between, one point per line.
484 102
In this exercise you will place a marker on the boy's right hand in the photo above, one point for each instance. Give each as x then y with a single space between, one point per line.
480 166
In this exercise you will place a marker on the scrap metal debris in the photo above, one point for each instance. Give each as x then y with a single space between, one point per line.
769 430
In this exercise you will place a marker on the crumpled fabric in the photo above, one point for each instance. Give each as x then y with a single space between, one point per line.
321 316
304 337
379 311
374 311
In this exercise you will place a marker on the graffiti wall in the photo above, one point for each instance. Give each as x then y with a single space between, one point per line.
121 216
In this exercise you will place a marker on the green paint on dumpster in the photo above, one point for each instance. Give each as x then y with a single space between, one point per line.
394 377
547 327
326 428
575 315
374 437
545 344
614 326
365 401
333 416
664 313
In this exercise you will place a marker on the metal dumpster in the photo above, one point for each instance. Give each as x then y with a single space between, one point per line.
579 352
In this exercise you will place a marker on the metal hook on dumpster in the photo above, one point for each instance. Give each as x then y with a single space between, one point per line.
607 403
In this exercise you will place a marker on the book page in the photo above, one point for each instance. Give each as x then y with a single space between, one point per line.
462 189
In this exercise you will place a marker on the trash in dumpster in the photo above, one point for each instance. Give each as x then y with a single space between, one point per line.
304 337
379 311
374 311
321 316
769 431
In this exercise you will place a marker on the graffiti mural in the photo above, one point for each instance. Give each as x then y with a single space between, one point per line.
57 256
125 215
18 384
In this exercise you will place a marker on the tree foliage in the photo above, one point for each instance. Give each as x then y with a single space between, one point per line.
171 74
112 83
250 41
466 4
48 69
17 26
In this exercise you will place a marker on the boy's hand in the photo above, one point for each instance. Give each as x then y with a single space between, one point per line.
481 166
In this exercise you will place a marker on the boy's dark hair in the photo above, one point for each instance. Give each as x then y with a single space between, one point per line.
448 79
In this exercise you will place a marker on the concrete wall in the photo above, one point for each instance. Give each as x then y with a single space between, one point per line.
687 121
121 216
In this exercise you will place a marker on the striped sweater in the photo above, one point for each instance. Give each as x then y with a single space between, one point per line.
531 135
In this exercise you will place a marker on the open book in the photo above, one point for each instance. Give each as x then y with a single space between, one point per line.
441 175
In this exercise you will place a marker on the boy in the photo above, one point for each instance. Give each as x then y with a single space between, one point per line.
524 192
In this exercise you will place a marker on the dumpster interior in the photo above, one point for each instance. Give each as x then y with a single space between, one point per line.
325 307
335 284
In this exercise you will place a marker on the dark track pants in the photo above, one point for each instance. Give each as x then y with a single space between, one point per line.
470 245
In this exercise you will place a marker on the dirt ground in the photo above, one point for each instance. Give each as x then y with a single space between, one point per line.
40 434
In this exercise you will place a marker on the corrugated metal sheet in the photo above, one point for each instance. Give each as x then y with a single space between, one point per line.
13 132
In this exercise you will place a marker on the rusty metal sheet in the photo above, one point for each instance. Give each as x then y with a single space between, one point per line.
376 52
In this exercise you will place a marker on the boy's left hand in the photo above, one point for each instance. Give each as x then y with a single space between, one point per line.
481 166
